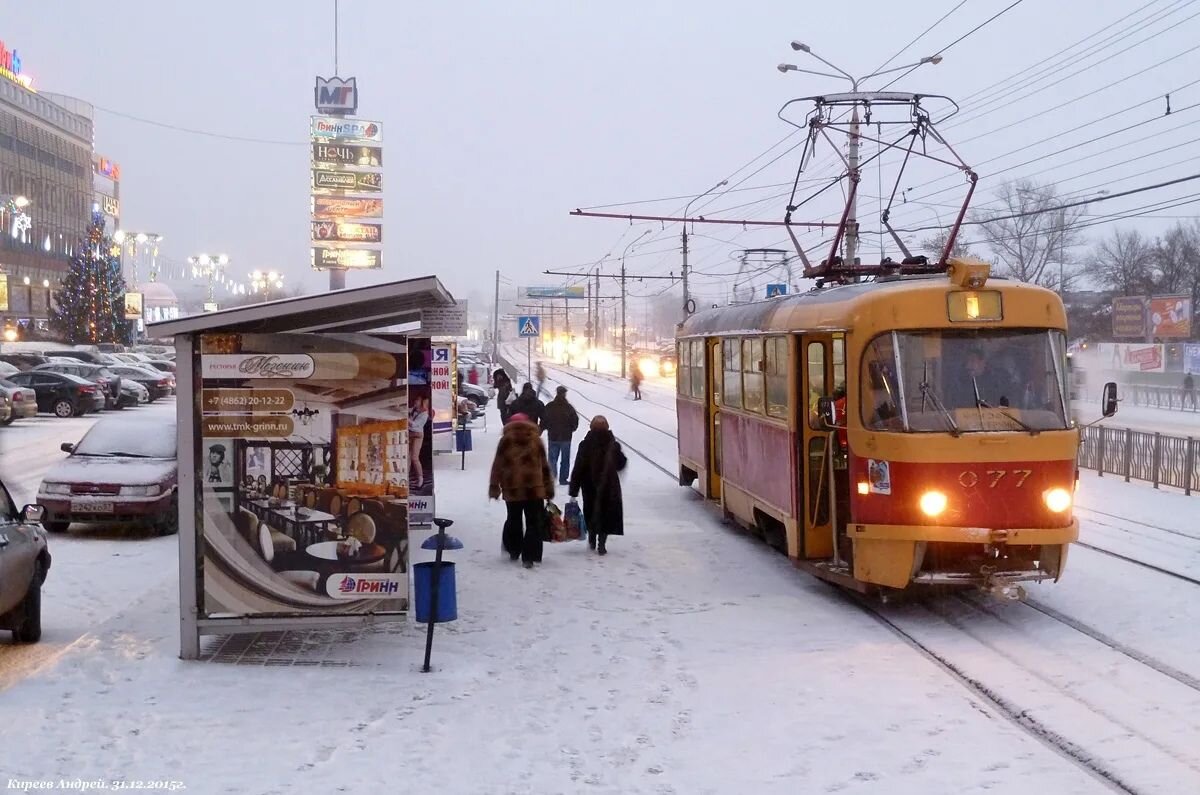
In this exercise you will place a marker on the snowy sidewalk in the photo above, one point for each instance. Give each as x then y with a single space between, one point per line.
689 660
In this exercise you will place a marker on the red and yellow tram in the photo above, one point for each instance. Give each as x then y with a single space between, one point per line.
908 430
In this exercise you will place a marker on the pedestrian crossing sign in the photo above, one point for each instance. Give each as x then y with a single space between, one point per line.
529 326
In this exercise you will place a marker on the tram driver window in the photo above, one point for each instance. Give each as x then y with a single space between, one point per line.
880 390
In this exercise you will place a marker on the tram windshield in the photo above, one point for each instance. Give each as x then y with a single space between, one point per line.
958 381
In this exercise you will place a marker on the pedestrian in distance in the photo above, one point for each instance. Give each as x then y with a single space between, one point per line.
1189 390
560 421
540 374
504 391
521 477
635 382
598 465
527 403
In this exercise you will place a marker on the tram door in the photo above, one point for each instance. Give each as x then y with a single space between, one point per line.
715 374
815 377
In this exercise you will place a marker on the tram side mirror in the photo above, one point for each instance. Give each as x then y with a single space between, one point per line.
1108 402
827 413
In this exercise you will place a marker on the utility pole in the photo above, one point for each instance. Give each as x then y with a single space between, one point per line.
624 347
687 297
496 319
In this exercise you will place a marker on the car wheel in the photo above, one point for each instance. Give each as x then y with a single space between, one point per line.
30 628
64 409
8 421
169 524
56 527
120 404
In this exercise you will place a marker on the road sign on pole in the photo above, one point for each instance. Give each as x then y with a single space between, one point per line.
776 289
529 326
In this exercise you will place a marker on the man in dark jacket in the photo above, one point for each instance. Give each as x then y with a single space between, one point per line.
560 421
597 467
504 388
527 403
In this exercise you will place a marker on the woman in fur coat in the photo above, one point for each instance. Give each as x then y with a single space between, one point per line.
521 477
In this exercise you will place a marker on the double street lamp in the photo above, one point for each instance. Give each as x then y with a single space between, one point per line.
151 240
210 267
264 282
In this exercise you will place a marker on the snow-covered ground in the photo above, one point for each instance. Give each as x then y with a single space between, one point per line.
691 659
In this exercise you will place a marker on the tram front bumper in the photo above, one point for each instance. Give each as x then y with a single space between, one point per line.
895 555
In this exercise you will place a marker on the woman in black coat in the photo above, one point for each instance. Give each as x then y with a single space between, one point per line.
597 466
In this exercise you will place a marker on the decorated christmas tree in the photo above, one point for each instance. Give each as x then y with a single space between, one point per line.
90 304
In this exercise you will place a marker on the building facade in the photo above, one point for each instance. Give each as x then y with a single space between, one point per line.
46 196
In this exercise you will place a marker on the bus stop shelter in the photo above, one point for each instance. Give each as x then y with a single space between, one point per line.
300 392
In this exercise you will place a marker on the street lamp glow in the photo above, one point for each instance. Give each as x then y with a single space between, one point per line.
205 260
119 236
26 281
222 259
141 237
45 282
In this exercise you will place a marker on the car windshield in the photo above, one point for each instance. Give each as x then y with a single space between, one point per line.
125 438
965 380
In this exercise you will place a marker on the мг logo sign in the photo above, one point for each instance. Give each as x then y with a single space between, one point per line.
335 95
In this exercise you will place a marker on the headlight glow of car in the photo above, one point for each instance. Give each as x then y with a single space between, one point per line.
668 368
648 365
139 491
933 503
1057 499
55 488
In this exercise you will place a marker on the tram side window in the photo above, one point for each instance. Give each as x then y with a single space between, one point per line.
731 356
880 388
697 353
777 377
753 387
817 387
683 373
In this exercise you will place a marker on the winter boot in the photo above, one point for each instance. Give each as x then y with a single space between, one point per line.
591 540
601 550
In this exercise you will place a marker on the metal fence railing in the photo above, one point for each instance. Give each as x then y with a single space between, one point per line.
1160 397
1158 458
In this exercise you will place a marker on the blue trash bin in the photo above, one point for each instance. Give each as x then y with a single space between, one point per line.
447 595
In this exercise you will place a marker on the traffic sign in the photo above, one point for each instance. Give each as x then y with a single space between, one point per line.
529 326
776 289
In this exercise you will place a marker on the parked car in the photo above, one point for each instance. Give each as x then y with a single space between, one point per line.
5 409
475 393
90 357
23 361
162 364
122 470
62 394
7 369
22 400
109 381
157 383
24 563
133 393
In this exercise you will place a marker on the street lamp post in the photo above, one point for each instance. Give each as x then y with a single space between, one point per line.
852 157
263 282
686 294
210 267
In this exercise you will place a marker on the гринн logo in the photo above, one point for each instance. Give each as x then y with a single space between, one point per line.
346 585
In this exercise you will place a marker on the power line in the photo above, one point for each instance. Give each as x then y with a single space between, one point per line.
205 133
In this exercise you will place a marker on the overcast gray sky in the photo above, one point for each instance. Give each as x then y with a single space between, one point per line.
500 117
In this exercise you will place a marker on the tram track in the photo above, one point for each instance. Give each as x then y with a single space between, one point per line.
1143 564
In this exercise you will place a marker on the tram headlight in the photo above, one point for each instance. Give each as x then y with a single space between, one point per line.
1057 500
933 503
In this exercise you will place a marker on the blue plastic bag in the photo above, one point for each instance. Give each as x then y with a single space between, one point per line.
575 524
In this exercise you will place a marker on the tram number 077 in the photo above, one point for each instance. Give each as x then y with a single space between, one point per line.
969 479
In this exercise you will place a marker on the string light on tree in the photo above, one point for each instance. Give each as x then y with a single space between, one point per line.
90 306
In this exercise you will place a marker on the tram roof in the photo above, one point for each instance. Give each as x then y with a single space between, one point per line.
837 307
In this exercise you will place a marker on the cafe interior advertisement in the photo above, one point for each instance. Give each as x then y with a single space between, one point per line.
420 430
305 467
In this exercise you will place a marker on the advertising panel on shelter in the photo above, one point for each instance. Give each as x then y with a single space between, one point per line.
442 395
420 424
1170 316
1191 359
304 456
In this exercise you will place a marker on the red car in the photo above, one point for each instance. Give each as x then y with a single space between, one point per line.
122 470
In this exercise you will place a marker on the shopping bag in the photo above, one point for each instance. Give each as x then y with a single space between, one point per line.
575 524
554 530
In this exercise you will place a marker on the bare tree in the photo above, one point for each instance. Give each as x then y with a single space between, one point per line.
1124 262
936 244
1176 265
1029 237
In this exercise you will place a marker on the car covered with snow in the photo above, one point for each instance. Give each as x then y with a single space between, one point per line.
24 562
22 400
123 470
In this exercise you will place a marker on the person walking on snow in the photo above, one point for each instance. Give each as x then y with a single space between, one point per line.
527 403
560 421
597 475
521 477
635 382
504 389
540 374
1189 391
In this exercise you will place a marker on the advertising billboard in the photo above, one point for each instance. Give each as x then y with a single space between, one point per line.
325 128
353 181
578 292
1133 357
303 479
1170 316
420 428
364 258
333 207
1191 359
3 292
336 95
1129 317
347 232
133 306
328 154
441 382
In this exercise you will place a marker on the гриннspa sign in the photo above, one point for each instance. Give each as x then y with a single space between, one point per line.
323 258
332 129
369 182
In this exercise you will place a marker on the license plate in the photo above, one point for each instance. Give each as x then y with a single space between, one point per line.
91 507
